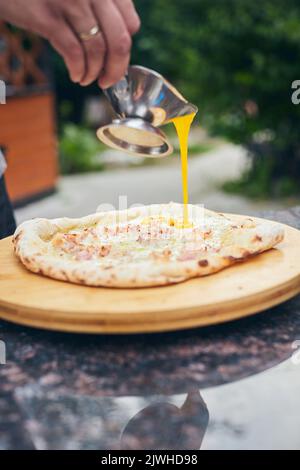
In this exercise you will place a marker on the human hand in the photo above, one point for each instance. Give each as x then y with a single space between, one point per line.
104 56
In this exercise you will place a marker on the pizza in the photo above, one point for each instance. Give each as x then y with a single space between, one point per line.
142 246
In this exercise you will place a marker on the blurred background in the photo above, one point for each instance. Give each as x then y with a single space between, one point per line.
235 59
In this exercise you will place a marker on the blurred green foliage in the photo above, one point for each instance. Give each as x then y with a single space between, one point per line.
236 60
79 150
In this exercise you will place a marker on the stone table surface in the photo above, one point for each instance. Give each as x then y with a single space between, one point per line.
230 386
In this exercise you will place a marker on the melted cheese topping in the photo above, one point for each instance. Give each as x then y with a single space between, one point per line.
160 238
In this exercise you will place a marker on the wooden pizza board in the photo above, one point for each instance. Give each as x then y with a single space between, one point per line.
240 290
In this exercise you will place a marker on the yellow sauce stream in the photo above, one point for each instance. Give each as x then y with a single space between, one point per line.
183 126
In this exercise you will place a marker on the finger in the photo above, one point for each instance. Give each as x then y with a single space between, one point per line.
95 50
118 42
69 47
82 20
128 11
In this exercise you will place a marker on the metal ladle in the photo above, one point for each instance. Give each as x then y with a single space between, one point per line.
143 100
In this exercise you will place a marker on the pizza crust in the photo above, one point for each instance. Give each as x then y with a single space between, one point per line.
244 237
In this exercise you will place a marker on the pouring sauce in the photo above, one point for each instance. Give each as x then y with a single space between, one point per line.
183 126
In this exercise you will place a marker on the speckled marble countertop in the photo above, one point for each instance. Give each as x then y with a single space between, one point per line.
234 385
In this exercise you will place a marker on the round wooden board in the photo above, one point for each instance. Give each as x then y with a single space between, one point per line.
240 290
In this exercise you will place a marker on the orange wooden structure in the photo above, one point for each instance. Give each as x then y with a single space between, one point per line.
27 122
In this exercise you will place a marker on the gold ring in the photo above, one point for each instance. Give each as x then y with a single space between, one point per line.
93 32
